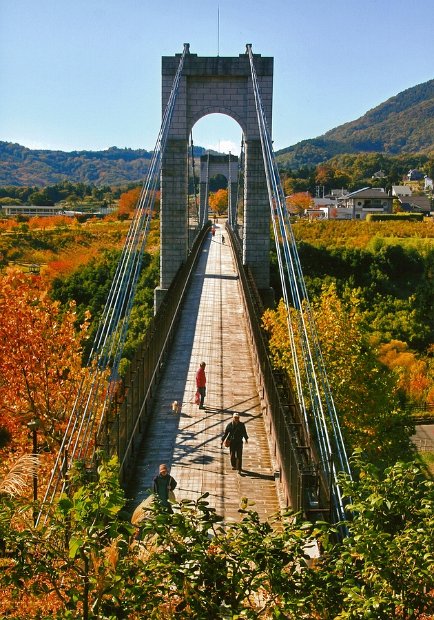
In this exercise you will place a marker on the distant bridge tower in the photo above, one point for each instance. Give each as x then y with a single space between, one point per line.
211 85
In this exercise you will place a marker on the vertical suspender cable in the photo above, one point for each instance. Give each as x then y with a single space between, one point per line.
193 165
206 205
240 187
230 206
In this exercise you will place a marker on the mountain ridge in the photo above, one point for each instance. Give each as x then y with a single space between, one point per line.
20 165
403 124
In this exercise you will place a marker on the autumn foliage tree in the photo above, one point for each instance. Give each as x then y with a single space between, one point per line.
298 202
218 201
415 375
40 359
128 201
364 390
329 176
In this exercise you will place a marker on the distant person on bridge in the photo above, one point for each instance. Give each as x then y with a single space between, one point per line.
164 483
235 432
201 383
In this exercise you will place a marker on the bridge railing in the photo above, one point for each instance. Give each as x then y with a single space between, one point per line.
303 484
130 411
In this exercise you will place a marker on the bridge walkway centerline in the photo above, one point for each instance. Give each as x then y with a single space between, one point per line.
212 329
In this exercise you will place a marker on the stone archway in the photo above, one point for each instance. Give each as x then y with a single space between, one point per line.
211 85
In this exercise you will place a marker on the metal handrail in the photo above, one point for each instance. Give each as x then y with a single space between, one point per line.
304 486
128 419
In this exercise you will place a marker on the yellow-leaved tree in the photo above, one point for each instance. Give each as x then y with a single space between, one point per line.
365 392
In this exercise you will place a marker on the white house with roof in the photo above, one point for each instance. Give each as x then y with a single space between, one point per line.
324 202
367 200
400 191
327 209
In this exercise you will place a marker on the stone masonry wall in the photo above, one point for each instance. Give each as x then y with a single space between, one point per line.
214 85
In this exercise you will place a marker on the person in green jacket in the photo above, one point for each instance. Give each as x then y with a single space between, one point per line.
163 484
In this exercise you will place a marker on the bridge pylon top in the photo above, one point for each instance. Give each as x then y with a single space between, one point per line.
222 66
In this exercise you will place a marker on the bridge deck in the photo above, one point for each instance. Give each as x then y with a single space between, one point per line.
211 329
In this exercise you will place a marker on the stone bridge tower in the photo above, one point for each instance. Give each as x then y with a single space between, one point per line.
211 85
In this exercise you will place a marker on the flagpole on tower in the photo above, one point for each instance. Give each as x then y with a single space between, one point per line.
218 31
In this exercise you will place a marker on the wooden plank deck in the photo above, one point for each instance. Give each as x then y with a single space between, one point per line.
211 329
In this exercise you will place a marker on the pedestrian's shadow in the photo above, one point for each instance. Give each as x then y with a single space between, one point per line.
203 459
254 474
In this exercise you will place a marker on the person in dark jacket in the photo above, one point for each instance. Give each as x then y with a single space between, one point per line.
163 483
201 383
235 431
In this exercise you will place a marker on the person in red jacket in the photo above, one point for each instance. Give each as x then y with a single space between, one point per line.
201 383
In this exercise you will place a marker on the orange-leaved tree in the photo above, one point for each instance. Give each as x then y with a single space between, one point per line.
40 359
416 375
298 202
218 201
128 201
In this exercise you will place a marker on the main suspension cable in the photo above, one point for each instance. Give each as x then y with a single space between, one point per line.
96 391
314 382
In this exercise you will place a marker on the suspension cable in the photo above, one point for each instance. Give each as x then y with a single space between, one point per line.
240 186
87 416
318 389
206 205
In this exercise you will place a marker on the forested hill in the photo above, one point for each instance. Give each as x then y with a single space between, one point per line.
22 166
402 124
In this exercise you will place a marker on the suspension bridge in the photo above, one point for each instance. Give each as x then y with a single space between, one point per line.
208 307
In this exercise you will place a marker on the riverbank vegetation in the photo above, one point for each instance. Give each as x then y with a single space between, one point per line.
371 290
382 274
88 561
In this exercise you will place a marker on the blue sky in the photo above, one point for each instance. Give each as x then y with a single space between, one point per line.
85 74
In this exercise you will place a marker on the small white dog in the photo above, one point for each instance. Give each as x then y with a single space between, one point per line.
176 406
